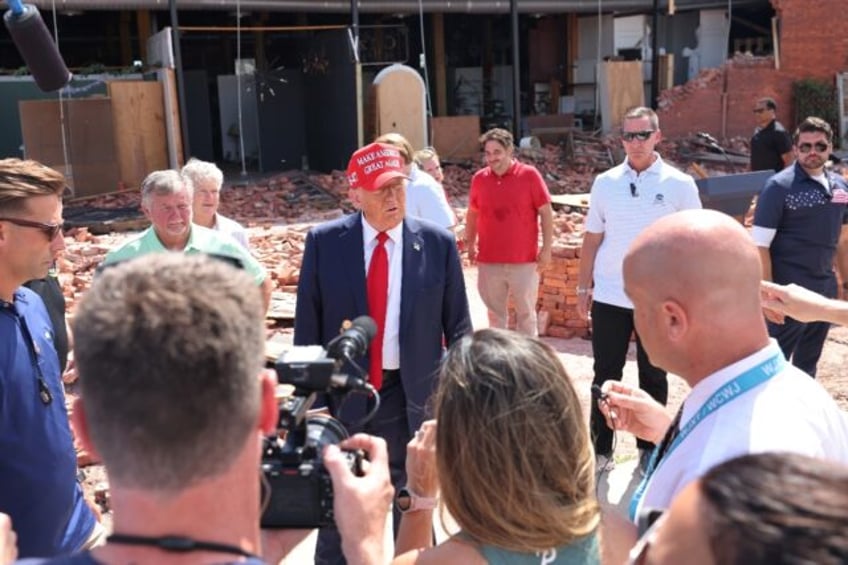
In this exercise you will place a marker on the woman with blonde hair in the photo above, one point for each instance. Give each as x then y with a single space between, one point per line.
428 160
510 451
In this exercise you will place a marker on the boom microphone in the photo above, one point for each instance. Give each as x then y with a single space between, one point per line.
36 46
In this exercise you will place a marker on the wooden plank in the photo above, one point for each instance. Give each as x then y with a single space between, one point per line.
138 115
621 89
400 104
455 137
92 145
438 42
666 71
176 159
574 200
91 166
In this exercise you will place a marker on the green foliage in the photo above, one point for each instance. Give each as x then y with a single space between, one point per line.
817 98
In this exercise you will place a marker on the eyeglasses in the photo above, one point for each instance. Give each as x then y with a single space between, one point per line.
639 554
760 110
50 230
819 146
633 192
640 135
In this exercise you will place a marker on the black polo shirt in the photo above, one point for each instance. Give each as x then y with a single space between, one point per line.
767 146
808 218
50 292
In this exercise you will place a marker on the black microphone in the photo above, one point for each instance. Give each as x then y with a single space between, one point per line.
354 341
36 46
707 137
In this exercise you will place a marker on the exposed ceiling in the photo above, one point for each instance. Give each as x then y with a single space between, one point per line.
391 6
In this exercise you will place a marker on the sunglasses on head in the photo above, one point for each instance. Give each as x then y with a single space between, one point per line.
50 230
819 146
640 135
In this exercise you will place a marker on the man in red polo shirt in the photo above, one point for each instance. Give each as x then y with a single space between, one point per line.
507 199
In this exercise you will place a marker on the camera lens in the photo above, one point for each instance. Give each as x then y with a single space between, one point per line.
322 431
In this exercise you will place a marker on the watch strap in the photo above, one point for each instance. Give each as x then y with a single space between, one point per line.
416 502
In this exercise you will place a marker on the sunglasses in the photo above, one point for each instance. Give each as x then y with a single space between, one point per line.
639 554
760 110
640 135
819 146
50 230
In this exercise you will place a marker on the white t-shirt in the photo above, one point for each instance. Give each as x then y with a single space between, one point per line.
232 228
790 412
614 211
425 198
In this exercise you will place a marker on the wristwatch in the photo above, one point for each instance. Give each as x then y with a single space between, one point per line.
408 501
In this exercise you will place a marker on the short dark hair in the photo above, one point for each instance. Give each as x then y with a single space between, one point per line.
773 508
21 180
500 135
812 125
769 103
169 349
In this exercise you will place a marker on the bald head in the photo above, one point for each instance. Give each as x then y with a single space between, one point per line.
702 268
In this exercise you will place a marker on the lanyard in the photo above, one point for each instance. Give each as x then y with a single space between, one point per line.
737 387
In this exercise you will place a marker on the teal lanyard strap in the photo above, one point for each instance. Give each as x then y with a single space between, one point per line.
748 380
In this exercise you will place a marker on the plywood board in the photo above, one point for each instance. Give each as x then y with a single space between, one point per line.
92 164
173 130
456 137
401 105
138 118
621 89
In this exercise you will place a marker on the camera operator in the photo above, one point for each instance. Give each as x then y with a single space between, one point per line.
174 399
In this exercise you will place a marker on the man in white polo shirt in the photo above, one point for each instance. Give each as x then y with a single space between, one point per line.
624 201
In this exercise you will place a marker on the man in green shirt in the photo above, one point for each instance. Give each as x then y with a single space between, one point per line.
166 200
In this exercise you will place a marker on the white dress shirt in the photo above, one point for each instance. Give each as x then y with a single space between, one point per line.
394 251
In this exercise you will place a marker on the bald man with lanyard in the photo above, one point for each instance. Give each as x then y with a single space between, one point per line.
702 320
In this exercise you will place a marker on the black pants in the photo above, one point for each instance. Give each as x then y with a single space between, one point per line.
390 423
801 342
612 327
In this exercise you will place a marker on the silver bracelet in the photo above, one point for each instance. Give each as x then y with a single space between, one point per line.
583 290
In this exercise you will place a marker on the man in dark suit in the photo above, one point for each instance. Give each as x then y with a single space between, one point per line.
420 305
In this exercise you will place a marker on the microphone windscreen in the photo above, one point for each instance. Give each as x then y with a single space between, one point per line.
36 46
367 325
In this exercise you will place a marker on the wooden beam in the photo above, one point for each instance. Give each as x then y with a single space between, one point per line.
572 42
748 23
125 39
441 82
142 26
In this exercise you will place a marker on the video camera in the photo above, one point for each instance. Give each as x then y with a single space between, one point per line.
295 483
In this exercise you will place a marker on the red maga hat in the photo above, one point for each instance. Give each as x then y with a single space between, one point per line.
374 165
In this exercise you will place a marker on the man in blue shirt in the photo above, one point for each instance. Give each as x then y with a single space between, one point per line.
799 228
38 486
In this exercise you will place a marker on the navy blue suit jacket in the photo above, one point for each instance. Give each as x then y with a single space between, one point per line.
433 303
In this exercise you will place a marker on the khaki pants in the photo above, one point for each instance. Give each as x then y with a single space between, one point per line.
495 281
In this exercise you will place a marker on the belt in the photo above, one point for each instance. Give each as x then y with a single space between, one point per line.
391 377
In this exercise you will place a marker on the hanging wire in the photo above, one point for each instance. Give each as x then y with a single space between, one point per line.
598 69
69 172
429 109
238 88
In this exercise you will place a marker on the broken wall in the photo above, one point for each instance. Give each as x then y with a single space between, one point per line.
812 44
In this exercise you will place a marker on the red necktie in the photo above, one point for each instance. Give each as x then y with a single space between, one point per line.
378 298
